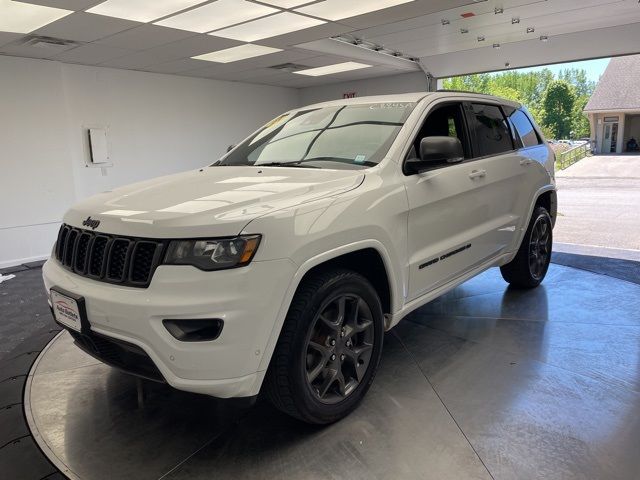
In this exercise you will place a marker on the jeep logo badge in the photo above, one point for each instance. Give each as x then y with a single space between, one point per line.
90 222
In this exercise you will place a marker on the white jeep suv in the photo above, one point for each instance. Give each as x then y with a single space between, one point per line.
279 267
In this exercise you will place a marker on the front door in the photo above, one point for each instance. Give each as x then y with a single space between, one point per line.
610 140
453 208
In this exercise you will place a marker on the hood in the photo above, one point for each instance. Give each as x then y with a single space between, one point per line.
213 201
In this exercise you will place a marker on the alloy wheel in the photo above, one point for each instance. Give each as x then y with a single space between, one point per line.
539 247
339 348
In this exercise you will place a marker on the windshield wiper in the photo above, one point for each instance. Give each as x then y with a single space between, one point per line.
284 164
348 161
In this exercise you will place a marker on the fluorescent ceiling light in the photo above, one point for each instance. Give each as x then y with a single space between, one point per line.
268 27
338 9
18 17
141 10
220 14
286 3
237 53
329 69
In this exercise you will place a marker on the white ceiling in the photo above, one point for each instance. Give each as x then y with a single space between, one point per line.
443 34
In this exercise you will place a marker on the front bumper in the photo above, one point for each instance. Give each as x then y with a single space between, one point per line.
248 299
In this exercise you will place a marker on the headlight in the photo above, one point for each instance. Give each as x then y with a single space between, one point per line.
213 254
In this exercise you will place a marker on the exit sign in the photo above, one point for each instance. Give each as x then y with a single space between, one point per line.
349 95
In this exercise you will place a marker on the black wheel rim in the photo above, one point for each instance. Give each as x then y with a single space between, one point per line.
339 348
539 248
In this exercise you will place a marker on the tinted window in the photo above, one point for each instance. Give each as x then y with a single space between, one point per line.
491 132
524 128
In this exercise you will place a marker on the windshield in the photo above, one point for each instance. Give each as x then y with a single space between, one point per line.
353 136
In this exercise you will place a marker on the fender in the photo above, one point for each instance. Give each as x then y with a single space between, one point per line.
392 274
523 229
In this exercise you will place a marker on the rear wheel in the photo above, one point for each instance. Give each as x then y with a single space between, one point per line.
530 265
329 348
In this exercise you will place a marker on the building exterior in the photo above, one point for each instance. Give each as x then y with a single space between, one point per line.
614 107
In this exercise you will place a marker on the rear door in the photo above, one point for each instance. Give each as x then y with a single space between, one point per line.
504 178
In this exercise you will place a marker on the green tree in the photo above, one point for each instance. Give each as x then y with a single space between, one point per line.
581 126
558 102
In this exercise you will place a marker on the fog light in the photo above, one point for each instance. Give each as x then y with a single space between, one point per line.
197 330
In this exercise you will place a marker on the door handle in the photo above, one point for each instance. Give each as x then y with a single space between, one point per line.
477 174
526 161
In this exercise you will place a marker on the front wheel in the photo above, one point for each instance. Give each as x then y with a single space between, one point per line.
530 265
329 348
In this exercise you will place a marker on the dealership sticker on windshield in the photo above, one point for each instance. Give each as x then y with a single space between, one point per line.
360 158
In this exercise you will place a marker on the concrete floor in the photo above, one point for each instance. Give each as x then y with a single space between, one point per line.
485 382
599 202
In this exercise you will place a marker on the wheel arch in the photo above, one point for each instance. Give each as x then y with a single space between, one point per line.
365 257
549 200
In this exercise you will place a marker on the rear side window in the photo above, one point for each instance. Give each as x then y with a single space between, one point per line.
525 129
490 130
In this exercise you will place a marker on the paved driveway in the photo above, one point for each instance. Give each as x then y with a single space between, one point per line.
599 202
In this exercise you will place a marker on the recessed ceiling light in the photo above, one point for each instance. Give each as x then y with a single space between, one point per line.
141 10
498 10
216 15
515 20
445 21
18 17
234 54
330 69
530 29
339 9
544 38
464 30
496 45
266 27
481 38
286 3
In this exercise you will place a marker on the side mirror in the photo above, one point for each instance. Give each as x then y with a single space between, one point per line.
436 151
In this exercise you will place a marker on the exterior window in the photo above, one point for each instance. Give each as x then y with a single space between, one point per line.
525 129
445 120
491 132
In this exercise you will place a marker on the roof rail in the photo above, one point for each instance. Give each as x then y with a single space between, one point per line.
464 91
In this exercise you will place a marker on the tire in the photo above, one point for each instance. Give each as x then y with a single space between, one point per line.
530 265
313 374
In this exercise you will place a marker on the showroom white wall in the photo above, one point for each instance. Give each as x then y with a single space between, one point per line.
403 83
157 124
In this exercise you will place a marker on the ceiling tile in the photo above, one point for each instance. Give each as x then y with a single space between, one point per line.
268 27
144 37
22 50
85 27
302 36
8 37
216 15
135 61
175 66
251 75
142 10
75 5
91 54
402 12
192 46
259 62
286 3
